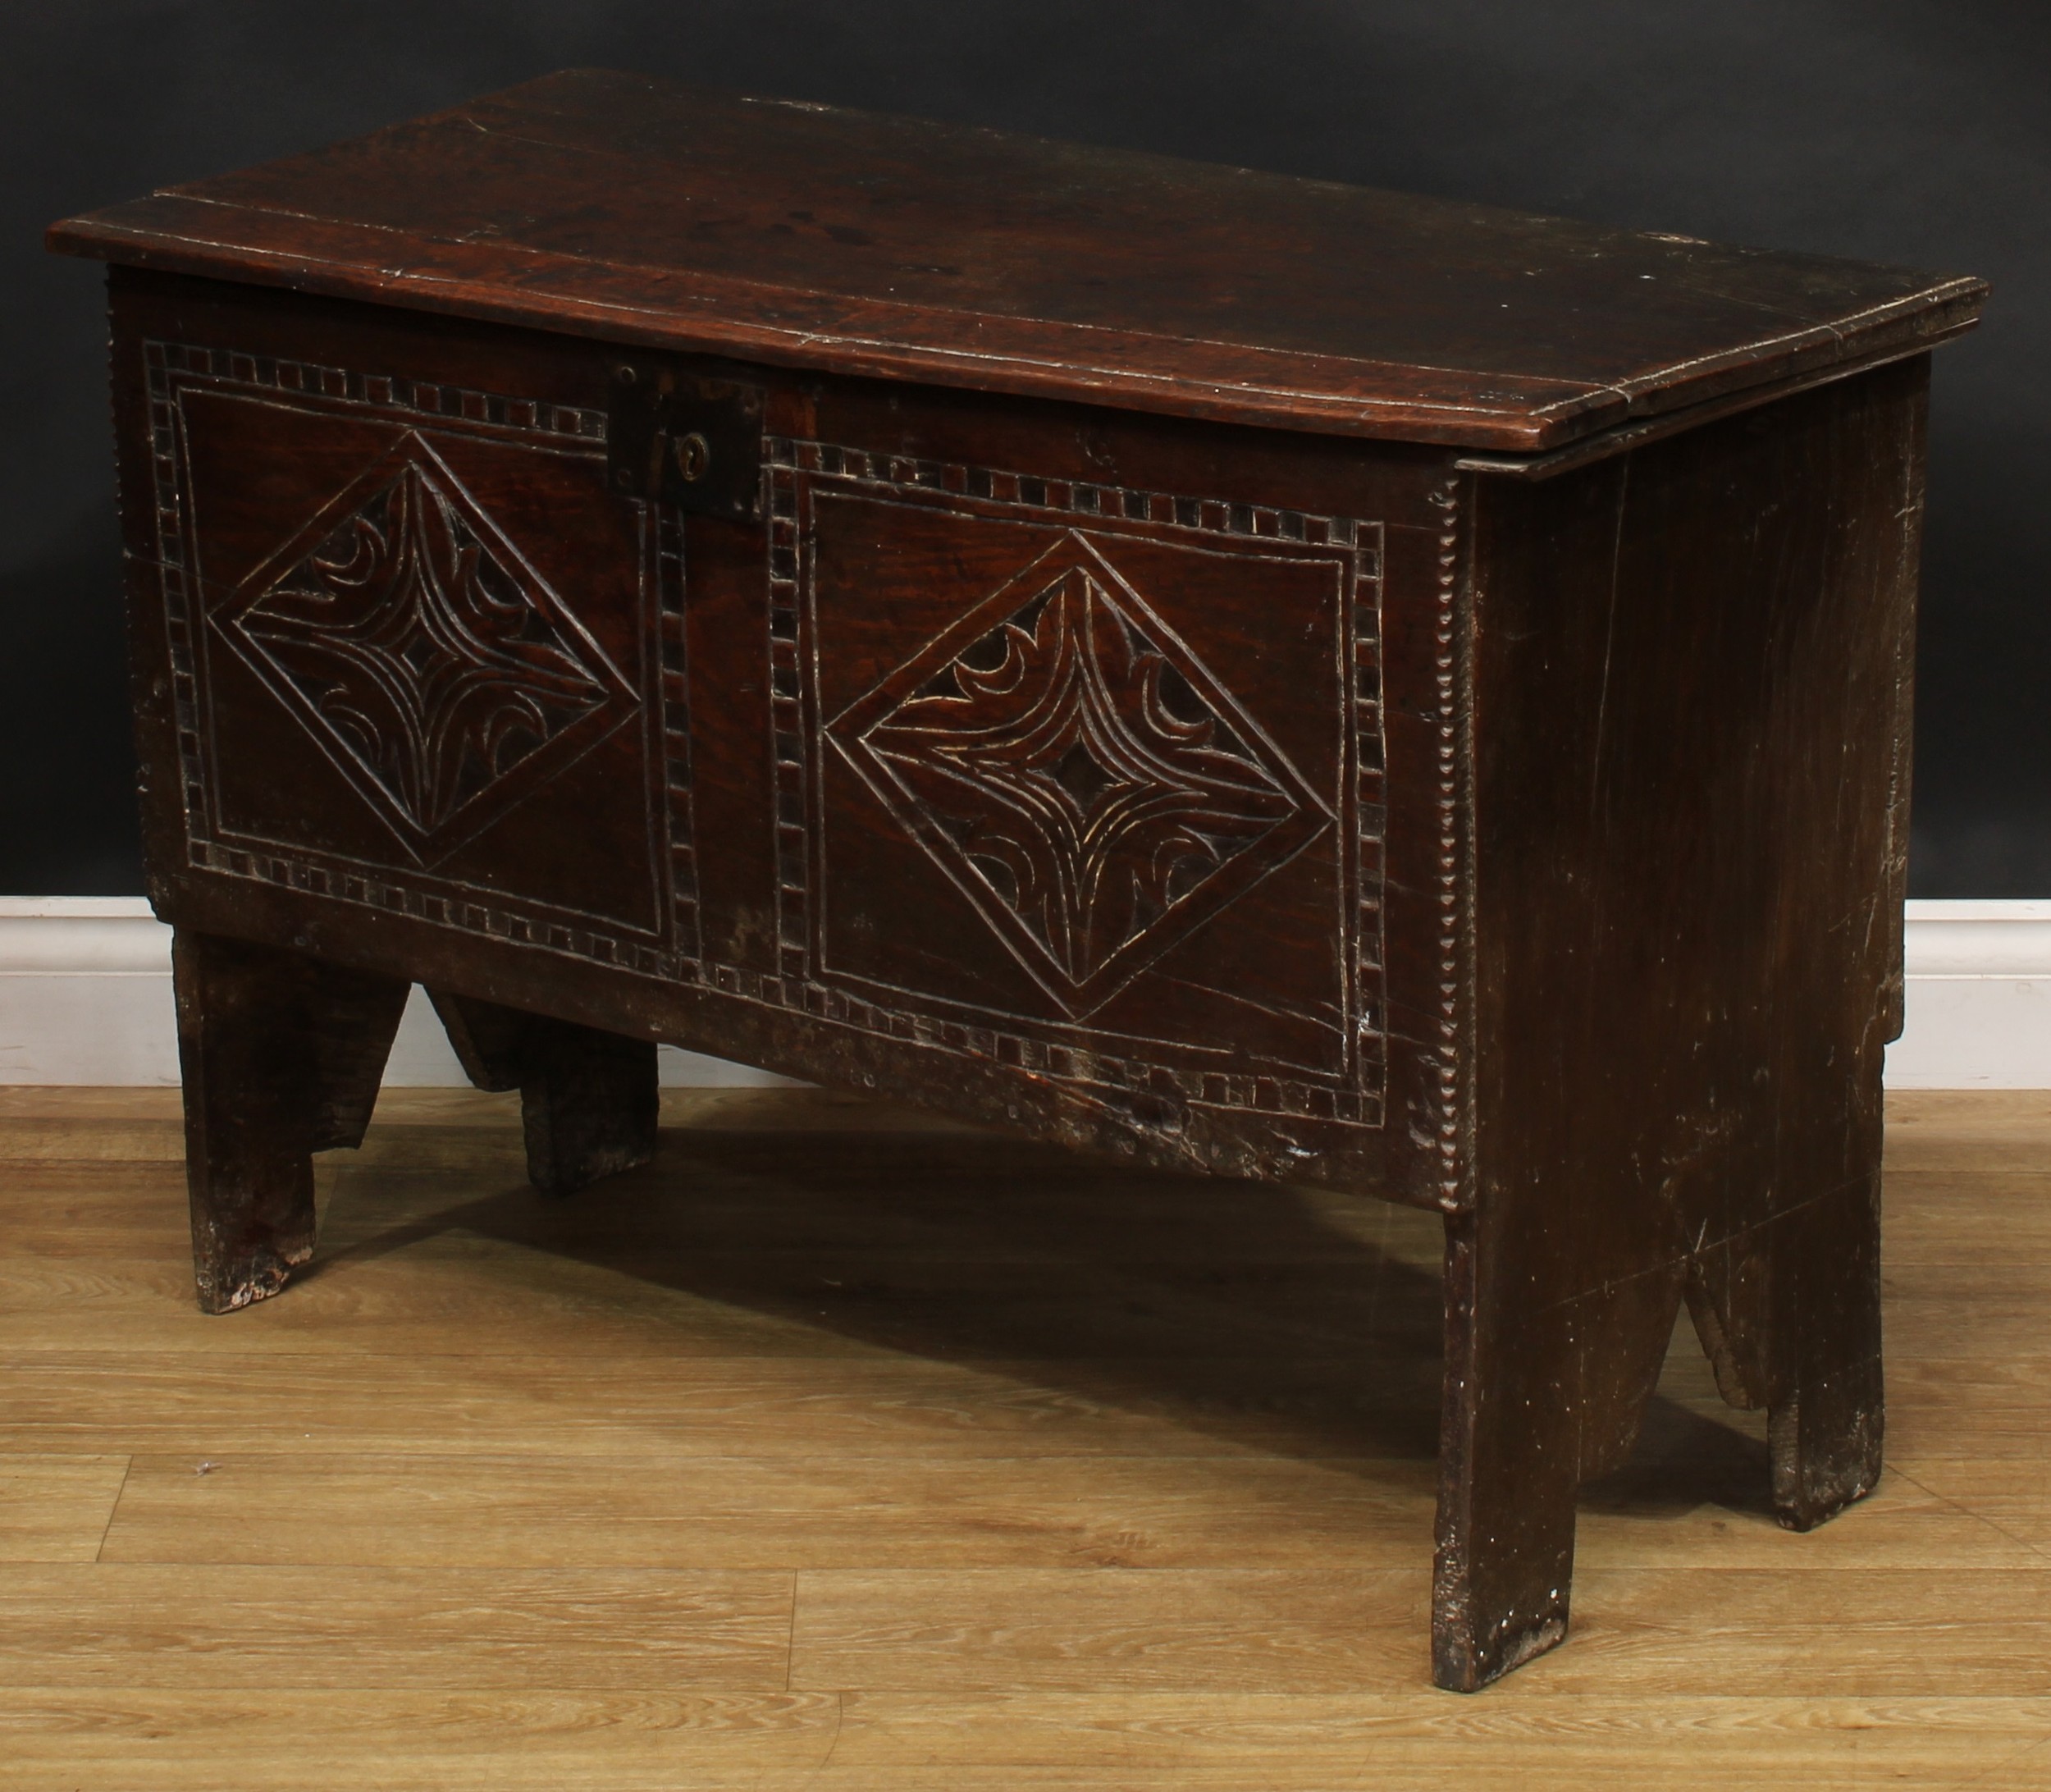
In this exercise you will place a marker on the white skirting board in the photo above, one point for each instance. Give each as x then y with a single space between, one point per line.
85 997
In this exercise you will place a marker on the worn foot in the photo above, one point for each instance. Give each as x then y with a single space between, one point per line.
280 1056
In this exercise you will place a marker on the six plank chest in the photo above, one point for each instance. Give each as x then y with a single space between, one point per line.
1258 676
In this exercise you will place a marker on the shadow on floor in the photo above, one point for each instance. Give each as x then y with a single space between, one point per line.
1293 1320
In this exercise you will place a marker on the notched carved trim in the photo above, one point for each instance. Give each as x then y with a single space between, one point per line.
1451 1090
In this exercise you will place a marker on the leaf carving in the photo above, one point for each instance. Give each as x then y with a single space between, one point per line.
1081 775
432 668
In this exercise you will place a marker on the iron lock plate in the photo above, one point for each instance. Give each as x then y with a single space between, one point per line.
674 438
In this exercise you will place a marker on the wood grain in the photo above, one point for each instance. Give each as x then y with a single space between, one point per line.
637 1742
643 1553
1215 1741
129 1624
686 1509
57 1508
1279 1630
1132 724
1976 1129
813 236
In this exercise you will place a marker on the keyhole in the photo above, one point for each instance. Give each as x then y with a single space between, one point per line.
694 457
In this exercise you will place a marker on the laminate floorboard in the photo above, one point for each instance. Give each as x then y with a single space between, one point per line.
841 1448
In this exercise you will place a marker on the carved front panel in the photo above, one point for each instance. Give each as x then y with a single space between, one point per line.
413 642
1082 780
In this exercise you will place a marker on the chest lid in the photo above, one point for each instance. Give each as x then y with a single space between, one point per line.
634 210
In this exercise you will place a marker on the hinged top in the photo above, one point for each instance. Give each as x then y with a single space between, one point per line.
621 206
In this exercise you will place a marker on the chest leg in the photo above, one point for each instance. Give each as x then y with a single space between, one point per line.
282 1055
588 1099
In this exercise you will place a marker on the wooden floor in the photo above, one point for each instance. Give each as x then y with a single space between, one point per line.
833 1451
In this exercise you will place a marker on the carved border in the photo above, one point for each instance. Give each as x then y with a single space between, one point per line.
168 367
674 673
1358 1098
492 914
1449 681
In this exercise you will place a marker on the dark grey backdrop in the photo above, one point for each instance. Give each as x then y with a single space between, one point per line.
1914 131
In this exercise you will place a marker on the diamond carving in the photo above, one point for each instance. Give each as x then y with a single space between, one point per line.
1079 774
434 668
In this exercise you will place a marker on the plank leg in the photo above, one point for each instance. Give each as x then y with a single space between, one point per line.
280 1056
1546 1381
1789 1313
588 1099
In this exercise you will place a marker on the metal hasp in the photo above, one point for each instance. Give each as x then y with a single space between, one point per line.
675 438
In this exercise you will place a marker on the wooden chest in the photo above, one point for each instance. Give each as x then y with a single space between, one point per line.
1258 676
